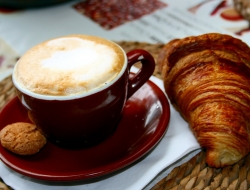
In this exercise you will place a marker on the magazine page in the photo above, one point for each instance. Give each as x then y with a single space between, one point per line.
154 22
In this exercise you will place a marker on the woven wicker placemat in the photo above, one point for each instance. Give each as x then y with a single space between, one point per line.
194 174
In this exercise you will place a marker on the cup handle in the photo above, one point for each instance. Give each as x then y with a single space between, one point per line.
146 71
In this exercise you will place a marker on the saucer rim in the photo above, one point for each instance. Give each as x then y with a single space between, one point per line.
115 166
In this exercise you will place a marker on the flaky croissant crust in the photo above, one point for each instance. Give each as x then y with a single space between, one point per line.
207 79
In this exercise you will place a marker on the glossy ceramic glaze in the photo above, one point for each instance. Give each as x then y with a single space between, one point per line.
143 123
86 120
79 122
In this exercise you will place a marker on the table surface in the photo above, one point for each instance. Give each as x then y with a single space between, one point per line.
172 19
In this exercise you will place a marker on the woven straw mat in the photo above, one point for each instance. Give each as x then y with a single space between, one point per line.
194 174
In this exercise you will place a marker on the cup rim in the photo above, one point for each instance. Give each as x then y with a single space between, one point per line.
74 96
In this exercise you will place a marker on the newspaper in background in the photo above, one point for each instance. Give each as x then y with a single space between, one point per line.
165 20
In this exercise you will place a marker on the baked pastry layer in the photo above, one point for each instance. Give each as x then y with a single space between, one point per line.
207 79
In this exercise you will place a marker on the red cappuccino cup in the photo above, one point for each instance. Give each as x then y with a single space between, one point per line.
75 87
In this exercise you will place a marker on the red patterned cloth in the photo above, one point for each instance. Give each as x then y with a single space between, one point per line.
112 13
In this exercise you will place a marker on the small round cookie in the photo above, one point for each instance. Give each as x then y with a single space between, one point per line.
22 138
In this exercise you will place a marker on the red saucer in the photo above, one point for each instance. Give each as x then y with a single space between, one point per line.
144 122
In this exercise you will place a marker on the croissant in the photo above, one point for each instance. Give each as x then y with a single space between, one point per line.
207 79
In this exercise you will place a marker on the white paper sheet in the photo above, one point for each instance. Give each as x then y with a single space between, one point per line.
24 29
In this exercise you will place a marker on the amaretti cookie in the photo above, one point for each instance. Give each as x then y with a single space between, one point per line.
22 138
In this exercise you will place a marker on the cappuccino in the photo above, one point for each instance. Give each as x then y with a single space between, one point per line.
69 65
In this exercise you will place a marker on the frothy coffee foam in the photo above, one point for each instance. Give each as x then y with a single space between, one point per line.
69 65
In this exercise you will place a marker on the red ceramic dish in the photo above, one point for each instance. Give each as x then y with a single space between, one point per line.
144 122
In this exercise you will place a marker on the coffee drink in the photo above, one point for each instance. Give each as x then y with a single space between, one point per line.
75 87
69 65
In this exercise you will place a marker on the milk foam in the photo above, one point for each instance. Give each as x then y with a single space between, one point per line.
69 65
